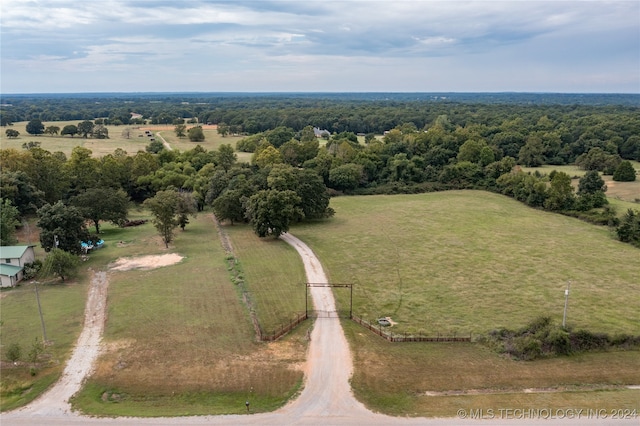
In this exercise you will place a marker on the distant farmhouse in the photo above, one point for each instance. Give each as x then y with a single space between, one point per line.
320 133
12 261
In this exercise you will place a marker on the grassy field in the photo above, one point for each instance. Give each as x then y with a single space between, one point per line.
467 261
184 321
464 262
437 379
627 192
63 312
100 147
179 341
274 276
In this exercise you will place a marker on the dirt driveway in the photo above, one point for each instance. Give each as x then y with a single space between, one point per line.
325 400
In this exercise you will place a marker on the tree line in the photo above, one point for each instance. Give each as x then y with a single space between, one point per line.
293 173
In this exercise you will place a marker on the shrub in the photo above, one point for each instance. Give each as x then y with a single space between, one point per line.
14 352
31 269
624 172
541 338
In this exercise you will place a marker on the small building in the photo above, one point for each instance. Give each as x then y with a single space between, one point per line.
12 261
320 133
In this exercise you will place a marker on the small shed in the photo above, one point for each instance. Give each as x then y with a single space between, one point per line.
12 261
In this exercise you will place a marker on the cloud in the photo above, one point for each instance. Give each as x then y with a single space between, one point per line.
361 44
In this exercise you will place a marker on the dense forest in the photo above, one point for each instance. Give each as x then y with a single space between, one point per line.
374 143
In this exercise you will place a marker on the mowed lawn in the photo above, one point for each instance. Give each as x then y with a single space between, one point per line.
467 262
179 341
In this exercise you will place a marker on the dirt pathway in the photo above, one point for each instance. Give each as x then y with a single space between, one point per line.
325 400
164 142
53 403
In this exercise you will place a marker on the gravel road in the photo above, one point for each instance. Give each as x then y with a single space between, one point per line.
325 400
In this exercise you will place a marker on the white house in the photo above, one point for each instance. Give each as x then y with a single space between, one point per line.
12 261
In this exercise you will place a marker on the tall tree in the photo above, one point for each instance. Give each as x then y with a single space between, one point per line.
629 229
624 172
196 134
98 204
560 193
226 157
9 216
180 130
228 206
61 227
270 212
532 153
164 207
187 206
314 197
17 187
591 189
85 128
60 263
82 169
69 129
35 127
49 174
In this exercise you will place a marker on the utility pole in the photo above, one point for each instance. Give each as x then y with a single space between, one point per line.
566 304
44 330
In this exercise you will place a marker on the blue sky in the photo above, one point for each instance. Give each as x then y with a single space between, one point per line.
319 46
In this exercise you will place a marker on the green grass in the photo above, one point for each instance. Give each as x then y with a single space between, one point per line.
274 273
63 311
394 378
468 261
179 337
623 191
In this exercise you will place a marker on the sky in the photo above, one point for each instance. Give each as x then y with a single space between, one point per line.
60 46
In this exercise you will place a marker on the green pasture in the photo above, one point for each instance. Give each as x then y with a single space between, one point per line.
628 192
274 275
437 379
467 262
63 312
179 337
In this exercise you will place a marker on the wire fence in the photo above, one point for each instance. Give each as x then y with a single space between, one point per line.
405 337
284 329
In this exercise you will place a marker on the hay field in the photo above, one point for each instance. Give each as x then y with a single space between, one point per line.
462 262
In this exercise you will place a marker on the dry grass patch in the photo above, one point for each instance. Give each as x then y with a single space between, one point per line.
402 378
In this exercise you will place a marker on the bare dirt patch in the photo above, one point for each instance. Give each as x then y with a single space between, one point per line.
145 262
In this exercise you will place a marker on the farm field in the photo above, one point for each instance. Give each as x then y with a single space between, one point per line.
466 262
184 321
627 192
274 275
101 147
